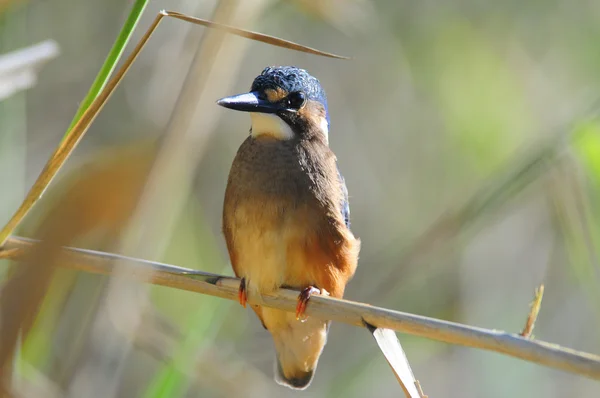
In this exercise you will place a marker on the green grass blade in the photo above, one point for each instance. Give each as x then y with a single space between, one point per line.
111 60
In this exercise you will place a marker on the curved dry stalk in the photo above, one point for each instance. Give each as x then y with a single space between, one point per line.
251 35
350 312
68 144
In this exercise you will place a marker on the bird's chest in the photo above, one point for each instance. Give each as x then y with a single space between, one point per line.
260 237
271 210
270 180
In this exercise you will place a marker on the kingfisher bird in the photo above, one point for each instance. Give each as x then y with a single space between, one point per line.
286 217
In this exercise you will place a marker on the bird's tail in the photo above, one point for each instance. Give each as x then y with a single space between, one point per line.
299 346
299 379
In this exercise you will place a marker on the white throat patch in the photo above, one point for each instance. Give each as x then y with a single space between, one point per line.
270 125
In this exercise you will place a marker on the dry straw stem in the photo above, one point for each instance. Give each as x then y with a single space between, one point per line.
352 313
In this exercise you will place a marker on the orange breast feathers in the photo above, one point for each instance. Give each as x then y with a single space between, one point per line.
274 243
323 255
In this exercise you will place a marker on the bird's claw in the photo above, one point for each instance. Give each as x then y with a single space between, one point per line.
242 294
303 300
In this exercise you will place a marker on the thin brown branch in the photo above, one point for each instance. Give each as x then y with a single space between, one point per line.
352 313
533 312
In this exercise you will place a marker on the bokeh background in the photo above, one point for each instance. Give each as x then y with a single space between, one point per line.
459 126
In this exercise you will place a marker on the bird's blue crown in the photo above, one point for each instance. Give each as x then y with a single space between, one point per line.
291 79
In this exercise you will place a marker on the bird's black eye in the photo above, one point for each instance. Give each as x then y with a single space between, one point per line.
295 100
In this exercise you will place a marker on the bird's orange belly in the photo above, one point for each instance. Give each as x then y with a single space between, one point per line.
279 247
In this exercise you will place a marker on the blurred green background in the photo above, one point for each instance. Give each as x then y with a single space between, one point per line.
443 102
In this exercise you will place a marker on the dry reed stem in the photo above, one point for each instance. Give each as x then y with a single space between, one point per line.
352 313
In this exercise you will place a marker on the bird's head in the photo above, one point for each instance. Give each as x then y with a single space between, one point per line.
284 102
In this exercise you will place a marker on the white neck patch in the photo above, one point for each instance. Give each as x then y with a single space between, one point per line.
270 125
266 124
324 126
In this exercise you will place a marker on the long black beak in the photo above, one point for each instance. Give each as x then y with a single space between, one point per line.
249 102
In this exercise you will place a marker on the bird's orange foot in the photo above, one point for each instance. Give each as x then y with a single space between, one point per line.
303 300
242 295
